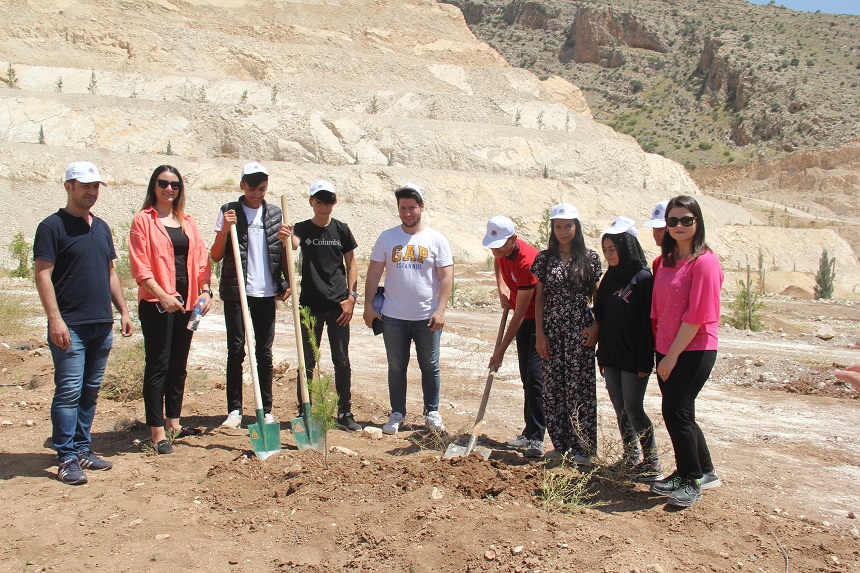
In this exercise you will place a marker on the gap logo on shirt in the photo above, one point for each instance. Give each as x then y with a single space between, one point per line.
409 257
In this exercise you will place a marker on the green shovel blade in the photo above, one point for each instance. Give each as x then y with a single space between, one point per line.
265 437
307 433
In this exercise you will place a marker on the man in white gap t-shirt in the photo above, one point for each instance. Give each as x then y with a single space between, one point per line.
260 230
419 275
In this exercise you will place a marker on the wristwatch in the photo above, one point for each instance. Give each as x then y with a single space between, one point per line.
353 294
208 291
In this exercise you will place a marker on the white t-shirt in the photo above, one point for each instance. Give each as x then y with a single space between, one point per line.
259 281
411 280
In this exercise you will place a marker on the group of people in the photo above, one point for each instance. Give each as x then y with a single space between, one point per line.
563 306
636 316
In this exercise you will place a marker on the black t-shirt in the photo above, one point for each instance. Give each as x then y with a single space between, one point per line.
323 272
82 256
180 258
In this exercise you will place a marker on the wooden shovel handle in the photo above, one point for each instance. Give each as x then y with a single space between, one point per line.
297 317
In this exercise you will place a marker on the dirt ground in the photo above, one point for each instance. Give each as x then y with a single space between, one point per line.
785 436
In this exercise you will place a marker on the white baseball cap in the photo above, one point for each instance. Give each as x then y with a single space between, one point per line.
413 187
658 216
253 167
564 211
499 230
83 172
622 225
322 185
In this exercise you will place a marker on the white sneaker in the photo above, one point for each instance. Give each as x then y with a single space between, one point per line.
394 422
434 422
269 419
519 442
234 419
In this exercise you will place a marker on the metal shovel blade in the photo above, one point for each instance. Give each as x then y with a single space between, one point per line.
455 451
307 433
265 437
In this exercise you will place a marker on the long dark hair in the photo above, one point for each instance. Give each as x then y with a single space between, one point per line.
670 245
578 270
178 202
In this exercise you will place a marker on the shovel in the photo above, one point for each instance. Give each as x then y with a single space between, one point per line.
454 450
265 436
307 433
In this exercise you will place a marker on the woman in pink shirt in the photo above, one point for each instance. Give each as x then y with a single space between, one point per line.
686 305
170 263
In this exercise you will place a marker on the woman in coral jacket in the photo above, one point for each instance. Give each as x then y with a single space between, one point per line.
170 263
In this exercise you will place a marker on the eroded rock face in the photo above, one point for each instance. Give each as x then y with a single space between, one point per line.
723 81
530 14
596 32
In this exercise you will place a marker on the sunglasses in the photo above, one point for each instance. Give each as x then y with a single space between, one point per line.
164 183
685 221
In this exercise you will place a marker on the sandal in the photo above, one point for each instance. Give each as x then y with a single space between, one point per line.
164 447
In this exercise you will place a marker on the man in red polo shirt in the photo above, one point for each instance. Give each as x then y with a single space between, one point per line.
513 261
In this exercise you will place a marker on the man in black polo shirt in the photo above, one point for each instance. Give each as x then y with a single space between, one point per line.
75 276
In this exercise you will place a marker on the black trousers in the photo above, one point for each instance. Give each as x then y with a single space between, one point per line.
692 457
262 311
532 377
338 340
166 341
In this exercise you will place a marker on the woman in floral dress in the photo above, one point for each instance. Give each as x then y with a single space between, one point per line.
567 274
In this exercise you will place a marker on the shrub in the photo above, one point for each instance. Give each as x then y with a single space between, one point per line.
21 250
825 276
123 380
746 309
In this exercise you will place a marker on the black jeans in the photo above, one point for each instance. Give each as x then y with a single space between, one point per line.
692 457
166 341
262 311
338 340
530 373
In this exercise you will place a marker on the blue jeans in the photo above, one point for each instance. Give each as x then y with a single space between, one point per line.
78 375
398 336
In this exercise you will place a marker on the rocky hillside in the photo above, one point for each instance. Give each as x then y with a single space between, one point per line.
366 93
705 83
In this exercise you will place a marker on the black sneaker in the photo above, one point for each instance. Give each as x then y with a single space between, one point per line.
647 471
687 494
163 447
666 485
90 461
70 472
348 423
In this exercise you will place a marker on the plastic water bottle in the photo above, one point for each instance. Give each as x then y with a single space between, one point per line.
378 300
196 314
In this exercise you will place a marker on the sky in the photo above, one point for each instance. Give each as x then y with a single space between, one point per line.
830 6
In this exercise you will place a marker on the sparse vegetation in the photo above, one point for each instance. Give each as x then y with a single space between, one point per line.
41 139
21 250
746 309
123 380
825 276
91 87
566 488
15 312
373 106
11 79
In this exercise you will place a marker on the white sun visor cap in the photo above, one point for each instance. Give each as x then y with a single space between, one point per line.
499 230
564 211
254 167
413 187
658 216
622 225
322 185
83 172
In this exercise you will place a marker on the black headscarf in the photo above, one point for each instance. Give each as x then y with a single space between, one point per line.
631 260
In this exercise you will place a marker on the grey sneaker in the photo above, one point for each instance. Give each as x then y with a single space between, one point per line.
70 472
688 493
395 422
534 449
647 471
710 480
582 460
519 442
90 461
666 485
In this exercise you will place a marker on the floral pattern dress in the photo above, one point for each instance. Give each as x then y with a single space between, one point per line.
569 379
